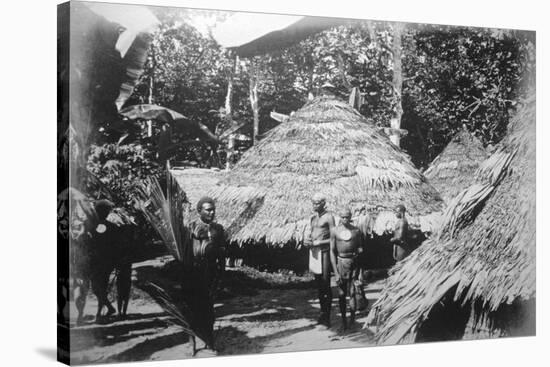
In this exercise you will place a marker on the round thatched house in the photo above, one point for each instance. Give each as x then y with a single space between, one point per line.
326 147
454 168
476 277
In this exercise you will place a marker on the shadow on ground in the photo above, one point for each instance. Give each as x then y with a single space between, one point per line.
256 312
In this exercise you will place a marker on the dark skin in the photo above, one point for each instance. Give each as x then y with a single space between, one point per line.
343 248
207 213
342 245
100 279
321 225
81 286
400 233
319 207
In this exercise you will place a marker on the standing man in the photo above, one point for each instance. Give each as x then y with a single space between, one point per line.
80 266
209 244
104 240
401 248
345 246
322 223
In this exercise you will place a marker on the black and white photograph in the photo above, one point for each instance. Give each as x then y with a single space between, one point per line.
243 183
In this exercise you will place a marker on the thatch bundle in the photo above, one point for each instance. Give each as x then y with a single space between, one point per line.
480 268
325 147
453 170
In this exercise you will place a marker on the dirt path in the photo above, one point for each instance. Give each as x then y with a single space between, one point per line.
252 321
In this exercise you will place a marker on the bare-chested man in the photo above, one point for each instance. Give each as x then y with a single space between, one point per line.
345 246
400 246
318 242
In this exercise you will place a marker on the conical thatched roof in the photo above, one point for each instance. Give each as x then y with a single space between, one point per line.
199 182
190 179
484 256
453 170
324 147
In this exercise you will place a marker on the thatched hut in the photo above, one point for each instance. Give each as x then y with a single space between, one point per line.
327 147
453 169
475 278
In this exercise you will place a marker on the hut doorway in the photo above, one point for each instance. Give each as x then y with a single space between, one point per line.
446 321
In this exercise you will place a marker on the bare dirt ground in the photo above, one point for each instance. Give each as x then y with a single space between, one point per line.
256 313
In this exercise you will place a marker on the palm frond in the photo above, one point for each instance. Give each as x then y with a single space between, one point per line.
155 208
178 310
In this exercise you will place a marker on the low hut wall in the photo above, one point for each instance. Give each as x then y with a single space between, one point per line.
378 254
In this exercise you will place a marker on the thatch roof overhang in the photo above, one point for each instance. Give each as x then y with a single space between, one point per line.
485 251
324 147
454 168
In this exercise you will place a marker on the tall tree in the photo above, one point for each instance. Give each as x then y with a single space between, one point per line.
253 95
397 82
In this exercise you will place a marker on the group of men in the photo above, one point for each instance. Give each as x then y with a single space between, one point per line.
330 246
339 246
99 247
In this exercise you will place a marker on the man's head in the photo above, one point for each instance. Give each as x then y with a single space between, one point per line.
103 208
400 211
345 216
318 201
206 209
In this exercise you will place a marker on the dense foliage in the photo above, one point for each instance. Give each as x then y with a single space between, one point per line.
452 77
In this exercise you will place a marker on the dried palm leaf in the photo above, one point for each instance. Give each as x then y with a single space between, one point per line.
484 254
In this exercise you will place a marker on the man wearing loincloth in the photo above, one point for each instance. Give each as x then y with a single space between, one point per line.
209 245
318 243
401 248
345 246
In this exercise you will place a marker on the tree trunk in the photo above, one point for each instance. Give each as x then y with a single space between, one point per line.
229 96
356 98
253 89
342 69
310 93
230 151
395 122
372 33
150 101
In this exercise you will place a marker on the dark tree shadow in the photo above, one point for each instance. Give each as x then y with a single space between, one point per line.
281 314
143 351
111 334
242 344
